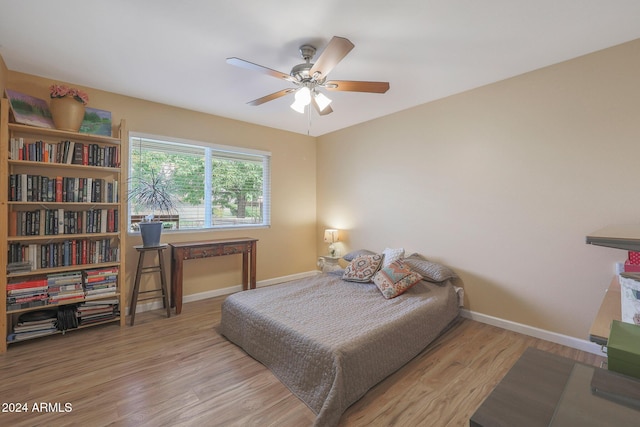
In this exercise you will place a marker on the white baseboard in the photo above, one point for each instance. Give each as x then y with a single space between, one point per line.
223 291
572 342
566 340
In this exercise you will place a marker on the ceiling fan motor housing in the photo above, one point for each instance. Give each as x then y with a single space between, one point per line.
301 71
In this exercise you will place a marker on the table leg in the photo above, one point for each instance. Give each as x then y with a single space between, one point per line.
136 288
245 270
176 279
163 284
254 255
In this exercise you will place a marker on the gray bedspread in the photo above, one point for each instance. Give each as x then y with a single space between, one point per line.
329 340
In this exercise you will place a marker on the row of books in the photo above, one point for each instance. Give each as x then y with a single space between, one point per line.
68 152
38 188
64 253
62 288
51 222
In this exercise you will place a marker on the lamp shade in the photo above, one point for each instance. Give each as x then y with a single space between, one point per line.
322 101
330 235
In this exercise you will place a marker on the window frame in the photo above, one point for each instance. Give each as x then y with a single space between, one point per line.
229 152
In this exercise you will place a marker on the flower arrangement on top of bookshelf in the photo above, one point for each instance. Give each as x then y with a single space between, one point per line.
62 91
67 107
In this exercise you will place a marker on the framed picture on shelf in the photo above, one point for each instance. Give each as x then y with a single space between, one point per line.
29 110
96 122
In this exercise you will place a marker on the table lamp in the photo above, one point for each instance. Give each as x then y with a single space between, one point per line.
331 236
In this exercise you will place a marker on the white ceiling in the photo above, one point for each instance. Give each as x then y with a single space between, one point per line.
174 52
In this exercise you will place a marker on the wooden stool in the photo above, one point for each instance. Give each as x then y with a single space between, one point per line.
151 269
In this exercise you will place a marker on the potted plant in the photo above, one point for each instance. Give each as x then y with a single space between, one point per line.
152 195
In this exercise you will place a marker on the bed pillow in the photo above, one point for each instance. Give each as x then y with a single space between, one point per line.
395 279
362 268
429 270
391 255
354 254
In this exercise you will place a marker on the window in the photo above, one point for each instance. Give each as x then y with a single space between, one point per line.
212 186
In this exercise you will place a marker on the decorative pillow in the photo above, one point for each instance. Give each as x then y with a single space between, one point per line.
391 255
429 270
354 254
362 268
395 279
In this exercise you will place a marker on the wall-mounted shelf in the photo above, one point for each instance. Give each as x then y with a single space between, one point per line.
626 237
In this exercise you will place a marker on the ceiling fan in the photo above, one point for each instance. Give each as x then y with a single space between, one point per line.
310 77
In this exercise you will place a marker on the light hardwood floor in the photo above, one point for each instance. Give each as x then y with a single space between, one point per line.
181 371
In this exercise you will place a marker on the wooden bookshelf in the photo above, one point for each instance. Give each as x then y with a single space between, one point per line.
84 231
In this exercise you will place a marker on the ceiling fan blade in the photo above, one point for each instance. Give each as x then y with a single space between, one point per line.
259 68
327 109
271 97
355 86
337 49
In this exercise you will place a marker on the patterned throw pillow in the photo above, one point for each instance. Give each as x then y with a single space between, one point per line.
395 279
362 268
431 271
391 255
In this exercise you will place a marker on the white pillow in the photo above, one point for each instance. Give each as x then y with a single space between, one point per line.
391 255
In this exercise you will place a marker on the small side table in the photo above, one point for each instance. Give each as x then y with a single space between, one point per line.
158 268
328 263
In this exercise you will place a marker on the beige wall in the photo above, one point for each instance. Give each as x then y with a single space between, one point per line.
287 247
502 183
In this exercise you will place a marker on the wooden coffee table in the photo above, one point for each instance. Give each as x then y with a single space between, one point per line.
544 389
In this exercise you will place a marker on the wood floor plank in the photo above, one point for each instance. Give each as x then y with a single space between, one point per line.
180 371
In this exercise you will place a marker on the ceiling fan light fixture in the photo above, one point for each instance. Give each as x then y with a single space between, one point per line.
302 99
297 106
322 101
303 96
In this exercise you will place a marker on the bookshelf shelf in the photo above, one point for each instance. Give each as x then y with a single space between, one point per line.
61 224
61 134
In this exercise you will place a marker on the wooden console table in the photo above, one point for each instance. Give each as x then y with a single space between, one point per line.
210 248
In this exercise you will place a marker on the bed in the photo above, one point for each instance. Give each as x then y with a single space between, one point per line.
330 340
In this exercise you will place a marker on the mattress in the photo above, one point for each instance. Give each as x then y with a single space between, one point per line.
329 340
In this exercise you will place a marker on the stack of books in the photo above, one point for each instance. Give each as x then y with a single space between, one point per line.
97 311
100 282
65 287
34 324
19 267
27 294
